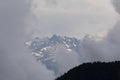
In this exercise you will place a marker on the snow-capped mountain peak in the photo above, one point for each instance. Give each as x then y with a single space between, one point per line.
47 50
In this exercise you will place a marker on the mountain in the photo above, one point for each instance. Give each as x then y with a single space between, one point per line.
94 71
55 52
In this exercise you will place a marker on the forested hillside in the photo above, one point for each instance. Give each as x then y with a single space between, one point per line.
94 71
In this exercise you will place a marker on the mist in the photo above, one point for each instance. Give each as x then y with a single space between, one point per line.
15 62
107 49
74 18
65 60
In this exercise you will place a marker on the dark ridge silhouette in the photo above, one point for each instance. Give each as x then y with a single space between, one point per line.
94 71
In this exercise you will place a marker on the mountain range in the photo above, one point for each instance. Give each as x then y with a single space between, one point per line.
61 53
56 52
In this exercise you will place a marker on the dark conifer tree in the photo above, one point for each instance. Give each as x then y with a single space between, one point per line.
94 71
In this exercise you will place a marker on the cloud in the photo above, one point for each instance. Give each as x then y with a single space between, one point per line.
107 49
68 18
116 3
65 59
103 50
72 17
15 63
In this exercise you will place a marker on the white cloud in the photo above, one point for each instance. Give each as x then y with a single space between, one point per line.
66 17
15 62
66 60
107 49
73 17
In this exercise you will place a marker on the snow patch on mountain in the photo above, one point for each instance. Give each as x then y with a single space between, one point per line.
58 53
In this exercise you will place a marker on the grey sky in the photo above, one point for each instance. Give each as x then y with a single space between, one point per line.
54 16
107 49
15 62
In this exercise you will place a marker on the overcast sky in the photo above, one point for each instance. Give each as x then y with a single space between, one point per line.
46 17
15 63
72 17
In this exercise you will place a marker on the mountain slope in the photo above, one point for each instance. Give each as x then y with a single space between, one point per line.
94 71
58 53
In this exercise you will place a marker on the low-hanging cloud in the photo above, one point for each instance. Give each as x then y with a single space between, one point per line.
56 20
15 63
65 59
107 49
72 17
116 3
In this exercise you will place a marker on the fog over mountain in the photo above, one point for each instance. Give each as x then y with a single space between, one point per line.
108 48
57 53
91 50
74 18
15 61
